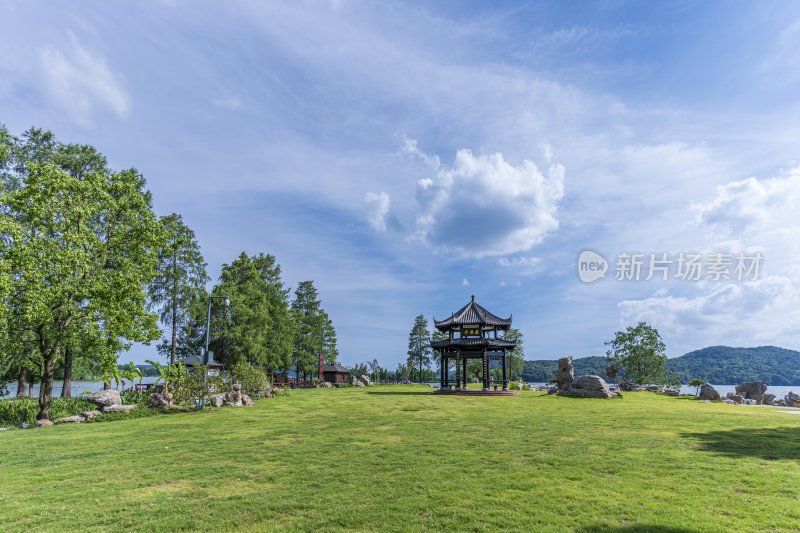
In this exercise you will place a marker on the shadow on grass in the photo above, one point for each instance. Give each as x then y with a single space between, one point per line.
639 528
765 443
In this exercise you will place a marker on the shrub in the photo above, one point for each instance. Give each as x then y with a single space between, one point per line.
193 387
513 385
15 411
133 396
136 412
253 380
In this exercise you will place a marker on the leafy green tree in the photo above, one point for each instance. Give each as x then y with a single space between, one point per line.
310 321
329 349
181 272
639 353
78 252
516 357
697 382
419 345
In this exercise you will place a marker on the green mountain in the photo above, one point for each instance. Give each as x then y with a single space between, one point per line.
721 365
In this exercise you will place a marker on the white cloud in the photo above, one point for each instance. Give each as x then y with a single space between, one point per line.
78 79
377 209
465 282
485 206
410 147
233 103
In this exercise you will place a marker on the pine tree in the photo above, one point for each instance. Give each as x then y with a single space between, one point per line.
419 345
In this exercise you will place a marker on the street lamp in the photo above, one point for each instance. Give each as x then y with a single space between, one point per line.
205 353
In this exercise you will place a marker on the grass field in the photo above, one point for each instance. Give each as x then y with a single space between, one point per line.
395 458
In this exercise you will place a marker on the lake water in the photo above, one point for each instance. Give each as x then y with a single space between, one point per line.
77 386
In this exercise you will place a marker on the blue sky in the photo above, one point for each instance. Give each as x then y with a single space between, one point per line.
406 155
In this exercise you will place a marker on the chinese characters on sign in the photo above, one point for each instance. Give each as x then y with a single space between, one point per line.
715 266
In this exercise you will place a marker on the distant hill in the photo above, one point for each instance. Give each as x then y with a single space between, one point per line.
721 365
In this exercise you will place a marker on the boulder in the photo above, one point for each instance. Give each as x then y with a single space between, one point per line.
590 387
565 373
726 400
162 400
655 388
24 425
359 384
792 399
77 419
736 398
354 382
708 393
233 398
246 400
552 390
104 398
752 390
768 399
119 408
326 385
750 402
366 380
41 423
237 387
216 400
672 392
90 414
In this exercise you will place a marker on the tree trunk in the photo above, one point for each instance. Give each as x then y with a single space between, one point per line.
22 381
66 389
107 384
174 316
46 386
30 387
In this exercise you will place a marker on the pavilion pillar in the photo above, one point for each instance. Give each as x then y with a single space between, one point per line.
464 362
441 370
505 371
458 369
446 372
485 372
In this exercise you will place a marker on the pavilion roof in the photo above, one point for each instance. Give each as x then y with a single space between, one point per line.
472 314
473 342
334 368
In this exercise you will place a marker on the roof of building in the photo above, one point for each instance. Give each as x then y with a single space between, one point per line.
196 360
472 314
473 342
335 368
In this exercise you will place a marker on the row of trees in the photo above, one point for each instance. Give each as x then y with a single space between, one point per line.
421 356
87 268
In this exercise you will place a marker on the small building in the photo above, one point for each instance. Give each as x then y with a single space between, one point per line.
335 373
195 361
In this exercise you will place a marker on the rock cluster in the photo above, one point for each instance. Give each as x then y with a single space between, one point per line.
565 373
108 401
355 382
160 400
709 393
326 385
752 390
590 387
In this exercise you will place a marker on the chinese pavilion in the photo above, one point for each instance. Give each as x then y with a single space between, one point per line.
472 334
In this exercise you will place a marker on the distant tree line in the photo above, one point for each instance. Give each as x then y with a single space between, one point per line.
87 268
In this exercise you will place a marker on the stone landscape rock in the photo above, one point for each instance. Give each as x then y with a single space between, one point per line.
105 397
565 373
752 390
366 380
90 414
216 400
119 408
41 423
750 402
359 384
792 399
234 396
768 399
708 393
552 390
246 400
326 385
77 419
24 425
726 400
737 398
590 387
354 381
655 388
160 400
672 392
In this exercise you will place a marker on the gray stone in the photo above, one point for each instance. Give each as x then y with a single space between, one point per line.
552 390
236 387
77 419
161 400
359 384
246 400
672 392
750 402
752 390
655 388
216 400
234 396
118 408
366 380
41 423
590 387
104 398
24 425
707 392
326 385
738 398
90 414
768 399
354 381
792 399
565 373
726 400
5 429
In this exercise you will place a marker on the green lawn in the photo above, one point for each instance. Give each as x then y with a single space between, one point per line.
396 458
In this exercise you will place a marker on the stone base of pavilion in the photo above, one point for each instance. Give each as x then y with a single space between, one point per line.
474 392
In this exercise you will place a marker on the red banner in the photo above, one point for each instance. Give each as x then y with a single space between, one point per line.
321 362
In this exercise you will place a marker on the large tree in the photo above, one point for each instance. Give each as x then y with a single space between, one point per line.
419 345
516 357
310 321
78 253
639 353
181 273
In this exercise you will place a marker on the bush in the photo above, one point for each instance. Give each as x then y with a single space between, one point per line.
133 396
15 411
253 380
192 387
513 385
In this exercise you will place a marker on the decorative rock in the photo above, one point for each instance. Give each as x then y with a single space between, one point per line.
737 398
792 399
77 419
237 387
750 402
359 384
24 425
104 398
726 400
246 400
90 414
655 388
672 392
752 390
234 396
160 400
326 385
366 380
708 393
590 387
565 373
552 390
768 399
118 408
41 423
216 400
